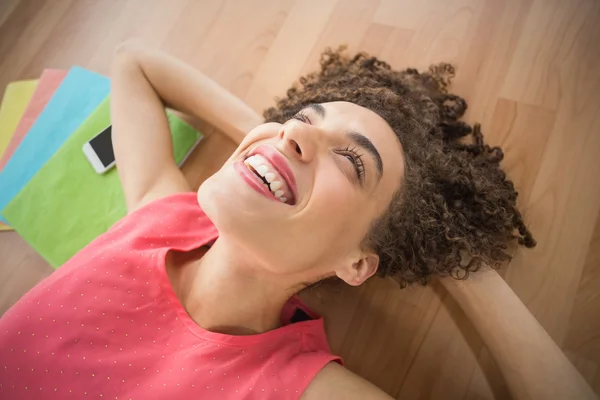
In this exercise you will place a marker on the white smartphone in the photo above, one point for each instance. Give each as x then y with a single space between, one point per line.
99 151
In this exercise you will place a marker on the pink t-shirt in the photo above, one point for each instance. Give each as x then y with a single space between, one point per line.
108 325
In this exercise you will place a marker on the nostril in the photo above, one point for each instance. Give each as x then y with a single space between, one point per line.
296 147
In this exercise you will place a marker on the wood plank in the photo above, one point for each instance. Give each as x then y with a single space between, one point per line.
235 46
376 38
30 40
74 37
518 128
444 34
539 72
483 71
152 26
192 28
20 12
562 209
347 25
289 51
6 8
403 14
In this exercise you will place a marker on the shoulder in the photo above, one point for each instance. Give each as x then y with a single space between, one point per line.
336 382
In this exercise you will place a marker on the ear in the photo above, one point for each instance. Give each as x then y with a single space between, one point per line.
359 271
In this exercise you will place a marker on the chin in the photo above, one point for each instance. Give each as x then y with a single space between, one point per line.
228 207
245 218
215 201
234 218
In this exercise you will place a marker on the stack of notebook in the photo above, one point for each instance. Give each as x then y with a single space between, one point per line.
49 192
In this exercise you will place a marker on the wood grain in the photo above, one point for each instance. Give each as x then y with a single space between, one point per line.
530 70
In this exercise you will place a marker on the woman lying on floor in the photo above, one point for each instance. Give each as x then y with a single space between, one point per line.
357 172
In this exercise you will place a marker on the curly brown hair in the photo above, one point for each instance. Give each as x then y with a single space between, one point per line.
455 209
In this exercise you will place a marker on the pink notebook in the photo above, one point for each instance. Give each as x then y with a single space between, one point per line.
49 81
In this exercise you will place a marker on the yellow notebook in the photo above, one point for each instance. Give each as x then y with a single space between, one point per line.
15 101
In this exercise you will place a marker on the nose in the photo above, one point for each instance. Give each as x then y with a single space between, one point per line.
299 140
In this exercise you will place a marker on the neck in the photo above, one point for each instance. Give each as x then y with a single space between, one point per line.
224 290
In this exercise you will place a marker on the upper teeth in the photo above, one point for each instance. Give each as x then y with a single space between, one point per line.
275 185
264 169
269 176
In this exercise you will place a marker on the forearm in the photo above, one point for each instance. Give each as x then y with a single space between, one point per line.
533 365
186 89
140 136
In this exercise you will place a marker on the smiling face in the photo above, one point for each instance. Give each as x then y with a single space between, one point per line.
300 197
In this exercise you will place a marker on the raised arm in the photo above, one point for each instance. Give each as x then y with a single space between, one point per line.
144 81
533 366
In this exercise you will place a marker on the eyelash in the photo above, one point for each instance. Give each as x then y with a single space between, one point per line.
302 117
349 152
356 159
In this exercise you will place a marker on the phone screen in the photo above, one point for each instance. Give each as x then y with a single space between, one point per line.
102 145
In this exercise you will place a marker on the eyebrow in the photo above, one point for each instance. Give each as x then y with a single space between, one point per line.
357 138
319 109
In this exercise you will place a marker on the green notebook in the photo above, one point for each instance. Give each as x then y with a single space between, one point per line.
67 204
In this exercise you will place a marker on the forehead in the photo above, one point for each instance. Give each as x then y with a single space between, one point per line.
352 117
358 117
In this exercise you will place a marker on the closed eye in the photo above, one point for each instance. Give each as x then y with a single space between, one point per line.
302 117
352 155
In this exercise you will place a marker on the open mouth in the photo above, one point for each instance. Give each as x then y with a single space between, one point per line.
271 178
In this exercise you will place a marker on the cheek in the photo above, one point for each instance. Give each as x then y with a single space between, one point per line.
335 197
338 205
261 132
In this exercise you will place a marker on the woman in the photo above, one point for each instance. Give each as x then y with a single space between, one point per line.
359 172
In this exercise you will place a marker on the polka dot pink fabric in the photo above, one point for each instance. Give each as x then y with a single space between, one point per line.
108 325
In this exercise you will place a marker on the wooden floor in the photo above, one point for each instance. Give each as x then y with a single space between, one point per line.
531 72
